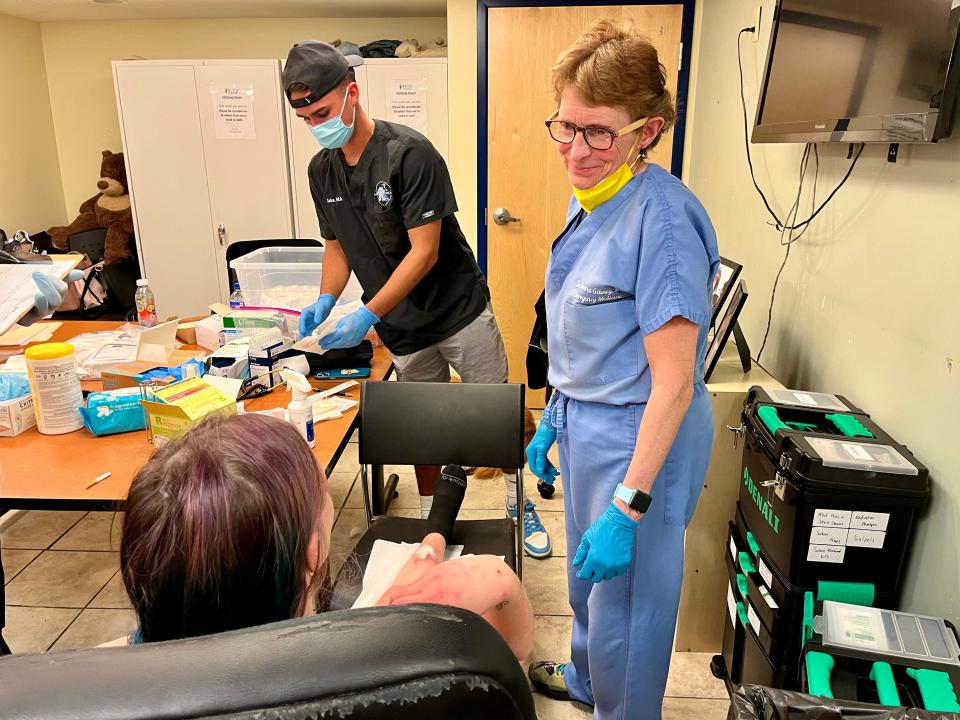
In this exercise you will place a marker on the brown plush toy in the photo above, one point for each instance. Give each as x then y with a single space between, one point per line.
109 209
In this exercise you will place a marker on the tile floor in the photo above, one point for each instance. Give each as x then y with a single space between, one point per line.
64 590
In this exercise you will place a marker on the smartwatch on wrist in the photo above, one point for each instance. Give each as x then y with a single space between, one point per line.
635 499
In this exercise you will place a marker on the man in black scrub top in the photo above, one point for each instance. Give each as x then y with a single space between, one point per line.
386 209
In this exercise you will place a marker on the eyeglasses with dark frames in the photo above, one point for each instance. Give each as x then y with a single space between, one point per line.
598 138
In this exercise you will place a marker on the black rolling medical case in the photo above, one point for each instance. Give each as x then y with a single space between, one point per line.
826 493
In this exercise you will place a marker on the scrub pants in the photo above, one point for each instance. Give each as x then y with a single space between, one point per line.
623 628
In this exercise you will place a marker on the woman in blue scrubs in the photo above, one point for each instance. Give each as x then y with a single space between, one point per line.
628 305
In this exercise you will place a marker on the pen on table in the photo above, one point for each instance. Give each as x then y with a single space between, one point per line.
96 480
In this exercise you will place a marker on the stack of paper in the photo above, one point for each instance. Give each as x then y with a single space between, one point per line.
19 336
17 288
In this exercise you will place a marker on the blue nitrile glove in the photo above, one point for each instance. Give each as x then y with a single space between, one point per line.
313 315
350 330
537 451
606 549
51 294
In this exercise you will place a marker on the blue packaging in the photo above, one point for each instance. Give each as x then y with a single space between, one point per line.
113 411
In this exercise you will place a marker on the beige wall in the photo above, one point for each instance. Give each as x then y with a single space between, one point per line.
462 104
78 56
30 193
868 305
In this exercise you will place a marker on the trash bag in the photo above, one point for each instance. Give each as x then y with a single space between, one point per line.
754 702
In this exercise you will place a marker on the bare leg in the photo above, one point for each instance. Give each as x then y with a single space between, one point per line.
425 557
427 478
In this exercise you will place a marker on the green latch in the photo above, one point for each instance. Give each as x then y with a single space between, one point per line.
882 675
936 690
849 425
742 584
853 593
742 614
746 564
819 666
771 419
752 544
806 625
802 426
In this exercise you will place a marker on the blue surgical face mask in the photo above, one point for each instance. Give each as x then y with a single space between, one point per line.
334 133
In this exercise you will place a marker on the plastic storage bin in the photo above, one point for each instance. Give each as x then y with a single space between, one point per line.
828 495
881 656
285 277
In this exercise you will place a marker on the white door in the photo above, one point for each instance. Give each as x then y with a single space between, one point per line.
303 146
163 148
412 92
244 142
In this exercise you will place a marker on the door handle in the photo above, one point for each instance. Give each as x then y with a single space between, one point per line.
502 216
221 231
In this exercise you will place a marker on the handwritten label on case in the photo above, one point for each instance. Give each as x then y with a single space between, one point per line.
832 518
826 554
828 536
869 521
866 539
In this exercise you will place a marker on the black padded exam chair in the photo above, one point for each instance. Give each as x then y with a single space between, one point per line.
423 662
435 424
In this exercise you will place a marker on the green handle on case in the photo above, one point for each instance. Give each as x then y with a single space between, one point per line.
742 584
936 690
882 675
819 667
742 614
746 564
753 544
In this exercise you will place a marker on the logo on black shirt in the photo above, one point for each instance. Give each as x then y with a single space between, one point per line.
383 193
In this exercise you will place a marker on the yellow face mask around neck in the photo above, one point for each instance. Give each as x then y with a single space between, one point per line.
592 198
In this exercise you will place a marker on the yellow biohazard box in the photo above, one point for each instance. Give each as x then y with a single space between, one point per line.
178 407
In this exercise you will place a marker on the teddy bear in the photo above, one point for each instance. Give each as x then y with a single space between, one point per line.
110 209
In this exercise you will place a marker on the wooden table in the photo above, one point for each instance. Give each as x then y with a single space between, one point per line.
50 472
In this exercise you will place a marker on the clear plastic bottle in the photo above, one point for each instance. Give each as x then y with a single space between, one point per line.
236 297
146 305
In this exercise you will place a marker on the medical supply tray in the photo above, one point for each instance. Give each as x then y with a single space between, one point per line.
855 638
826 492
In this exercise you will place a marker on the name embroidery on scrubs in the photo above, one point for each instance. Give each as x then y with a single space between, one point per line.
598 295
335 199
383 193
428 214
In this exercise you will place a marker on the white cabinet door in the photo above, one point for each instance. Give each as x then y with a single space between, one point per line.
164 152
303 146
241 116
412 92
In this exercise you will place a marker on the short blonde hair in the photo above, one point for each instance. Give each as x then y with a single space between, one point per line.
611 65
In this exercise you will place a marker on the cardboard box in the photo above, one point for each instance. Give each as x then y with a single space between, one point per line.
180 406
16 416
187 329
209 332
129 374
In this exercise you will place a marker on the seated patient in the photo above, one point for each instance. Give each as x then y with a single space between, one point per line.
229 527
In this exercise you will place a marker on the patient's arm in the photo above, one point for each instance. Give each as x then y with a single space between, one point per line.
483 584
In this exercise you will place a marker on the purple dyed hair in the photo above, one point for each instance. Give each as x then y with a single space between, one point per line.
218 527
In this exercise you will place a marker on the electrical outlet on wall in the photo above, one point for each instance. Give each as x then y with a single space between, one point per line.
757 14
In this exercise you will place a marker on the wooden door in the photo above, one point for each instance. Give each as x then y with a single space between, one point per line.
163 149
244 143
303 146
525 174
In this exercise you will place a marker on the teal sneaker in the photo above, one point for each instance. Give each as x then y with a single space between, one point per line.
536 540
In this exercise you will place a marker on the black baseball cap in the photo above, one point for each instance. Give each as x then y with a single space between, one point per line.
319 66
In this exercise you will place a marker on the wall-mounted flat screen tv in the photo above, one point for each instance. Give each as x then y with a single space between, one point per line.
860 71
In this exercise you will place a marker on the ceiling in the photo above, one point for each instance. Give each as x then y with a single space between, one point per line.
54 10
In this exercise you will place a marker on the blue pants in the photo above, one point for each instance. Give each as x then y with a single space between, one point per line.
623 628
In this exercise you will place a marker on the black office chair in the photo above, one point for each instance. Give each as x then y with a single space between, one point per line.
435 424
242 247
423 662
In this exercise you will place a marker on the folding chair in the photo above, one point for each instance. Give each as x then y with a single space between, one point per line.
435 424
